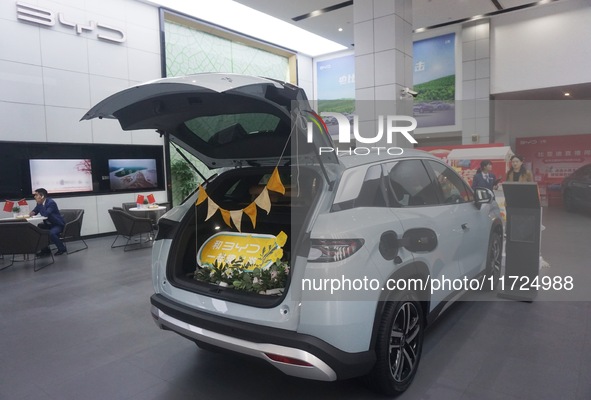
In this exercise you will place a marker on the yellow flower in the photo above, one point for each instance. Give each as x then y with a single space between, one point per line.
281 239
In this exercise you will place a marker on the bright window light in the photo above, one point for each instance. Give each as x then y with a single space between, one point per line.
232 15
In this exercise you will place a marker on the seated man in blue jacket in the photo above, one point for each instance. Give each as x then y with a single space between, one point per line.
55 223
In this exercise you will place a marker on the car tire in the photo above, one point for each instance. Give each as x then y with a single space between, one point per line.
398 346
494 259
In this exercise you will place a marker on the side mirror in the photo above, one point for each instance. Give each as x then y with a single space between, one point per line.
483 196
419 240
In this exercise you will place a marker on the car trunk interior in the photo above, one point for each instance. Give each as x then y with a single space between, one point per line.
234 190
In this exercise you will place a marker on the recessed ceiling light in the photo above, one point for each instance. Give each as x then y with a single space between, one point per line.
566 94
340 29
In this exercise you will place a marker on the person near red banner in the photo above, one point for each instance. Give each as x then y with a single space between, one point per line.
55 223
518 172
484 176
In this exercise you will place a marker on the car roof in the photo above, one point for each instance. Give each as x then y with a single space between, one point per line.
352 161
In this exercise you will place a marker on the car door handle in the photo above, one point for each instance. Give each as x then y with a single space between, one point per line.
465 227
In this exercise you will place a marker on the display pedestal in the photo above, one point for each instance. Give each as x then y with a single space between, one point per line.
522 249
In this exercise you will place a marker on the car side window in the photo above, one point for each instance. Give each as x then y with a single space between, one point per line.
584 173
452 188
371 193
408 184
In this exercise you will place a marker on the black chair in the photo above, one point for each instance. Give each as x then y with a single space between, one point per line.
133 229
71 232
23 238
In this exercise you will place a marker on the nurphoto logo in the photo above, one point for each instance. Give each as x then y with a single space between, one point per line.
387 125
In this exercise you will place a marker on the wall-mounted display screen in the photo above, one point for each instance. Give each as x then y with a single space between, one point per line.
61 175
79 169
127 174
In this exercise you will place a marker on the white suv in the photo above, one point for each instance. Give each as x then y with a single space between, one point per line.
327 267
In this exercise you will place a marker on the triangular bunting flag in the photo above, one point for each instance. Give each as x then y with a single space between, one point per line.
263 200
236 218
251 211
211 208
275 183
226 217
202 196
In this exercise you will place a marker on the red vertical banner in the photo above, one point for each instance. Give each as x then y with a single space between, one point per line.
140 199
151 199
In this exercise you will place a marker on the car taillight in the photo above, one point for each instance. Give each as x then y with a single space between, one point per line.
330 250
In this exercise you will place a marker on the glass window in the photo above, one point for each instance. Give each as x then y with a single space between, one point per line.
409 184
453 189
371 193
584 172
221 129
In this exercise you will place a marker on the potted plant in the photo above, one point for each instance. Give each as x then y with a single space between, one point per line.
146 202
16 211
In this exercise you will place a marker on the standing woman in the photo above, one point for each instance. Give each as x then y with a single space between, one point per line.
484 176
518 173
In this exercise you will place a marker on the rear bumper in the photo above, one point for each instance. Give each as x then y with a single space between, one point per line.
317 359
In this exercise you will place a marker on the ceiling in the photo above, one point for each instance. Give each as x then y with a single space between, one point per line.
425 14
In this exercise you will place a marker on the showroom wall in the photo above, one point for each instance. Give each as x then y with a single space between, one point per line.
57 59
541 47
535 48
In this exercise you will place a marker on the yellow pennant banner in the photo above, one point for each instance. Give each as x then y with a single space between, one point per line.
263 201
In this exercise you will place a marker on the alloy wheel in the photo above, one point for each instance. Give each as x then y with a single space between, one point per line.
405 338
496 256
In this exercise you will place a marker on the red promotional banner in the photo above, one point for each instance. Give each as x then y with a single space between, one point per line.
23 202
151 199
140 199
552 158
8 206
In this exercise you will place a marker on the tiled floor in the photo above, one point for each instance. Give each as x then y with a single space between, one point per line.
81 329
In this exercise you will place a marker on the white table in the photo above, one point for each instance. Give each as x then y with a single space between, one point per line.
151 212
34 220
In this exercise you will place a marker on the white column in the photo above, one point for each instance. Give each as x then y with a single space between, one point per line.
383 62
475 104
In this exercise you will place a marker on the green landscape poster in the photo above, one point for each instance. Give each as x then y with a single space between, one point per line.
434 79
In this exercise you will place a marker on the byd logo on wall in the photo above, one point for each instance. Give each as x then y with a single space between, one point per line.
386 125
41 16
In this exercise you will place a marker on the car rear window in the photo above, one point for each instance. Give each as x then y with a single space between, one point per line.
221 129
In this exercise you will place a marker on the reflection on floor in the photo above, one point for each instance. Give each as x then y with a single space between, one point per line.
81 329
